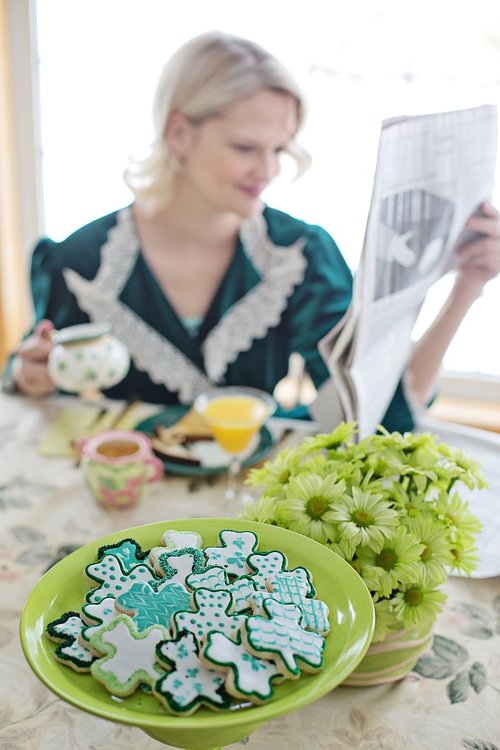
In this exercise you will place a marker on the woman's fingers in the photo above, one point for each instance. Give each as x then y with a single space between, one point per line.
30 364
32 378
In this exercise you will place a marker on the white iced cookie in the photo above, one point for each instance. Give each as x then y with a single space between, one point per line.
177 564
292 587
278 635
129 656
189 683
241 589
173 539
265 564
66 632
233 551
96 615
211 612
247 676
113 580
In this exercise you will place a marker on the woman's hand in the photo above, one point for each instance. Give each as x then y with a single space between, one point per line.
30 364
479 259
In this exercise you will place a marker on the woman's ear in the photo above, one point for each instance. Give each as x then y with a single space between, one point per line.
178 134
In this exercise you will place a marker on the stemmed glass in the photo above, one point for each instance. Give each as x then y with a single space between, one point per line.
235 414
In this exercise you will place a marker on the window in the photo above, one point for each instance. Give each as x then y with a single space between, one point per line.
358 62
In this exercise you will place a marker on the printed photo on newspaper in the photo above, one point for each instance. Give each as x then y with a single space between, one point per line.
432 173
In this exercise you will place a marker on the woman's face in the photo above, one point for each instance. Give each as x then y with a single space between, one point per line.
228 160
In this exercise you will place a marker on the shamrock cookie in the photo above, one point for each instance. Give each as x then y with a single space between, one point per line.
66 631
212 610
173 539
190 684
280 637
128 551
148 606
235 548
179 563
265 564
129 656
215 578
114 581
248 677
292 587
96 615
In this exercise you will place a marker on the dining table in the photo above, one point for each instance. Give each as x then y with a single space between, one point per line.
449 701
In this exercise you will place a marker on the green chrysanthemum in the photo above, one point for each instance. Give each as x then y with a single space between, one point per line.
435 558
262 510
309 498
395 563
416 605
366 500
454 513
275 474
333 440
385 619
464 558
364 518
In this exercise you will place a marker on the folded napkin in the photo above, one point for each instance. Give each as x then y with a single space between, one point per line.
85 420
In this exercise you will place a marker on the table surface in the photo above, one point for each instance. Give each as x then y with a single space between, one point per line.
46 511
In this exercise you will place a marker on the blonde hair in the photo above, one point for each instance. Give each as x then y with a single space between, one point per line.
206 75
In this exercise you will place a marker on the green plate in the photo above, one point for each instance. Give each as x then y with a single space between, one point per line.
63 588
173 414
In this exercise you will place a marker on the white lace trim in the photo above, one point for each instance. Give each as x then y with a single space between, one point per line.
281 268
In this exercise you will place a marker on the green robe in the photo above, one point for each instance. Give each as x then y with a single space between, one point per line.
286 287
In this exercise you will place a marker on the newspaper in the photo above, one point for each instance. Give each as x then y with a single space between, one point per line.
432 173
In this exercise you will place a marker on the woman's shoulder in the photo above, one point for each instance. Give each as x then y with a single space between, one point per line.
80 250
285 229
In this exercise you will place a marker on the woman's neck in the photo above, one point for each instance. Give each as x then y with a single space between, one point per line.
186 224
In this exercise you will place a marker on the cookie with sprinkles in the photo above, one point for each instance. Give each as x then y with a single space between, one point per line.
66 631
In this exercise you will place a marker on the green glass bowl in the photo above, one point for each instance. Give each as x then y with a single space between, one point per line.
63 588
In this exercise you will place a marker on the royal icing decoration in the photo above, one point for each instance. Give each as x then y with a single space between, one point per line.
129 656
216 579
248 676
263 565
211 612
66 630
235 548
150 607
128 552
172 539
177 565
280 637
190 683
197 626
96 615
114 581
292 587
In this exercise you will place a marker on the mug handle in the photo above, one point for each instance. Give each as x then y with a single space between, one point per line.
156 468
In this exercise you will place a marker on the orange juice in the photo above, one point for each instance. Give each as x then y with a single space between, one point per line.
235 420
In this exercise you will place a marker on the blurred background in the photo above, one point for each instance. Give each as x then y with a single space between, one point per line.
76 88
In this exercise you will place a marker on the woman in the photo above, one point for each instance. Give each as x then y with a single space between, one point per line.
203 283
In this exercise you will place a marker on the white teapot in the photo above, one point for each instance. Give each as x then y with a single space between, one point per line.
87 357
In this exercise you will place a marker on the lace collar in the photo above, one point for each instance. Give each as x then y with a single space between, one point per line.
250 318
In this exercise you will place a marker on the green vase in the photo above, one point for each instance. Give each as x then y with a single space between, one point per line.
392 658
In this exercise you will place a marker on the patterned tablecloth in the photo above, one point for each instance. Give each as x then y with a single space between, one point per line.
451 700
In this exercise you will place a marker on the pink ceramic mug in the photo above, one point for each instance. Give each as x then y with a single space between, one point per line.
117 465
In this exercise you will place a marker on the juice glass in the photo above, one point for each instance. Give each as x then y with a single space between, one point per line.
235 414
